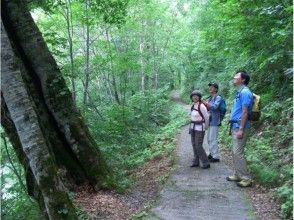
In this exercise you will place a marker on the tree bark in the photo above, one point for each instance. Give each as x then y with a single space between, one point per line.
143 76
69 27
142 42
56 201
87 72
31 185
47 124
113 80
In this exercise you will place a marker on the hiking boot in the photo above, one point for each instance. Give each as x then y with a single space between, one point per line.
233 178
214 160
206 166
194 165
244 183
209 157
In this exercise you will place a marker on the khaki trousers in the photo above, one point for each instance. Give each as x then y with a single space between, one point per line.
239 161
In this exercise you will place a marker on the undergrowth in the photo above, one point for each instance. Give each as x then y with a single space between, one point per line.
144 128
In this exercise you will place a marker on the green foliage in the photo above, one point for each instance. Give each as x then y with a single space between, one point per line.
125 123
82 215
270 154
263 174
114 12
234 35
131 134
224 138
20 206
139 50
15 203
285 194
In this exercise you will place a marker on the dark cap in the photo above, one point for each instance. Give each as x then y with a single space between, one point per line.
196 92
215 85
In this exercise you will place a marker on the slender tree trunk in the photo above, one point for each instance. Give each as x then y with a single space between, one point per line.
90 101
42 114
102 82
87 73
155 62
13 168
142 67
113 80
108 87
69 27
144 77
158 57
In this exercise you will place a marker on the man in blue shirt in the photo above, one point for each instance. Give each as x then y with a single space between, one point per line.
242 107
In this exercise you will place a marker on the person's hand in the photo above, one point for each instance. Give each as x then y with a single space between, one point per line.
206 104
240 133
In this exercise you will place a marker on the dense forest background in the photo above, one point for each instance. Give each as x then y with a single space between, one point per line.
121 60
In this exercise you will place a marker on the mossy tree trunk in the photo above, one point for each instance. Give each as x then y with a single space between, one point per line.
40 118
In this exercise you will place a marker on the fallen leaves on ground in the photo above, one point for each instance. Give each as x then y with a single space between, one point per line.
107 204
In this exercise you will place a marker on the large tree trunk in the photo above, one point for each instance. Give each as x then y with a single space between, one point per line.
23 115
53 137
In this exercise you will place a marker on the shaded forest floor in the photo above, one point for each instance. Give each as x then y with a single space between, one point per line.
112 205
106 204
149 179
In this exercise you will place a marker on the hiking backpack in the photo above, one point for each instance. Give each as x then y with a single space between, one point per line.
222 108
198 110
255 113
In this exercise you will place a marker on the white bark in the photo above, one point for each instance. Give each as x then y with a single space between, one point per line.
69 27
141 49
54 91
87 72
30 135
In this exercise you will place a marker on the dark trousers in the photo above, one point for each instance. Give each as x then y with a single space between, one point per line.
197 144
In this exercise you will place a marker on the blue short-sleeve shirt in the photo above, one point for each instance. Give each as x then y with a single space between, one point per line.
243 98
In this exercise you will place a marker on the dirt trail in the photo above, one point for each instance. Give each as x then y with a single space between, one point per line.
194 193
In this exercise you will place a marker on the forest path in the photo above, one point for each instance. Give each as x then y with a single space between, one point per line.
195 193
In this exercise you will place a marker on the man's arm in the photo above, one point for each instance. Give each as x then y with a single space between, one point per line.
215 104
243 117
246 100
